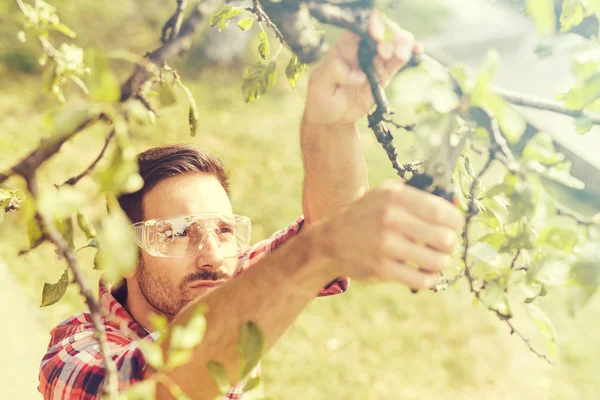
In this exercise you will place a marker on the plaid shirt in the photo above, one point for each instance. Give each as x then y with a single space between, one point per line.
73 367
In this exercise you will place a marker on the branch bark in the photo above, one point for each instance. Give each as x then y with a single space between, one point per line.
132 87
111 386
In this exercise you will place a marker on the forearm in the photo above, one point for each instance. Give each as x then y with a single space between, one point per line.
271 294
335 171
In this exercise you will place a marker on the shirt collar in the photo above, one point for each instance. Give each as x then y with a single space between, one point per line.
119 316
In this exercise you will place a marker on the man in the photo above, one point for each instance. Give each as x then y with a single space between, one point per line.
190 240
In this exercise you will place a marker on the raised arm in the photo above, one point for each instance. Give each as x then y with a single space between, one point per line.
335 172
361 242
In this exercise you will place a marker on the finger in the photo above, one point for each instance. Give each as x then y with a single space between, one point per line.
408 276
336 72
399 247
431 208
376 26
404 42
346 48
439 237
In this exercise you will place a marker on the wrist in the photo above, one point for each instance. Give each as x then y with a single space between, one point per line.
319 242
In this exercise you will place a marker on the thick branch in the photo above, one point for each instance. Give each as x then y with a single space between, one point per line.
132 87
46 149
51 233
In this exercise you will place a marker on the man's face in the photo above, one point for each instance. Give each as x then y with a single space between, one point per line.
168 284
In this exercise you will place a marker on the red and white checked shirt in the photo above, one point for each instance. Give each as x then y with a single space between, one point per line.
73 368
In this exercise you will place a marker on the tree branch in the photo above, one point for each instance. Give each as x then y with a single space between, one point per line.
525 100
75 179
46 149
133 85
171 28
51 233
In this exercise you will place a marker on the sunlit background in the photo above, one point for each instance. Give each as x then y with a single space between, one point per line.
374 342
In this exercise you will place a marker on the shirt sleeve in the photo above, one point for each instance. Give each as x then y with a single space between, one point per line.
265 247
74 368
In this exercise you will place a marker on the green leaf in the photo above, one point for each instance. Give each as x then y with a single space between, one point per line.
560 238
494 239
584 203
460 74
541 148
250 346
245 23
495 298
585 271
580 96
542 12
294 69
222 17
258 79
153 353
62 202
66 229
545 326
84 225
166 96
583 125
142 390
571 15
53 292
484 253
119 253
219 374
120 175
252 383
158 322
193 111
34 232
65 30
443 100
484 78
190 334
177 358
263 47
513 125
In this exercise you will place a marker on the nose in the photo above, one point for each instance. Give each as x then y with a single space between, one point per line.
211 254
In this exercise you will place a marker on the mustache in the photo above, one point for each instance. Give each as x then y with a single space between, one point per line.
207 275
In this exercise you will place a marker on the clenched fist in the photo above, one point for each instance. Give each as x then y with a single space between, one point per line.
390 232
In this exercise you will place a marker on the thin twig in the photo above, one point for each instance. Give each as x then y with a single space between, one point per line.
525 100
75 179
577 219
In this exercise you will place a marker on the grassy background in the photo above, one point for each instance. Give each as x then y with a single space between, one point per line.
374 342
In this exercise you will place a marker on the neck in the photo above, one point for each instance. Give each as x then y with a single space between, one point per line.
138 306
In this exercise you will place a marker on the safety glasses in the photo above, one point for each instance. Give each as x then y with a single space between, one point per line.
186 235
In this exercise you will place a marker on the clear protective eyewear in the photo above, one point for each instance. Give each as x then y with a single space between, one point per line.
186 235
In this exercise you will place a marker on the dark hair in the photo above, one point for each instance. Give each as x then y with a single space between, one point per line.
164 162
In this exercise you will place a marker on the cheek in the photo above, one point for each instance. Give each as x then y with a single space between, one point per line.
168 271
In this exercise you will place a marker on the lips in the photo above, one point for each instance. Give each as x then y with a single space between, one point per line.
206 284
